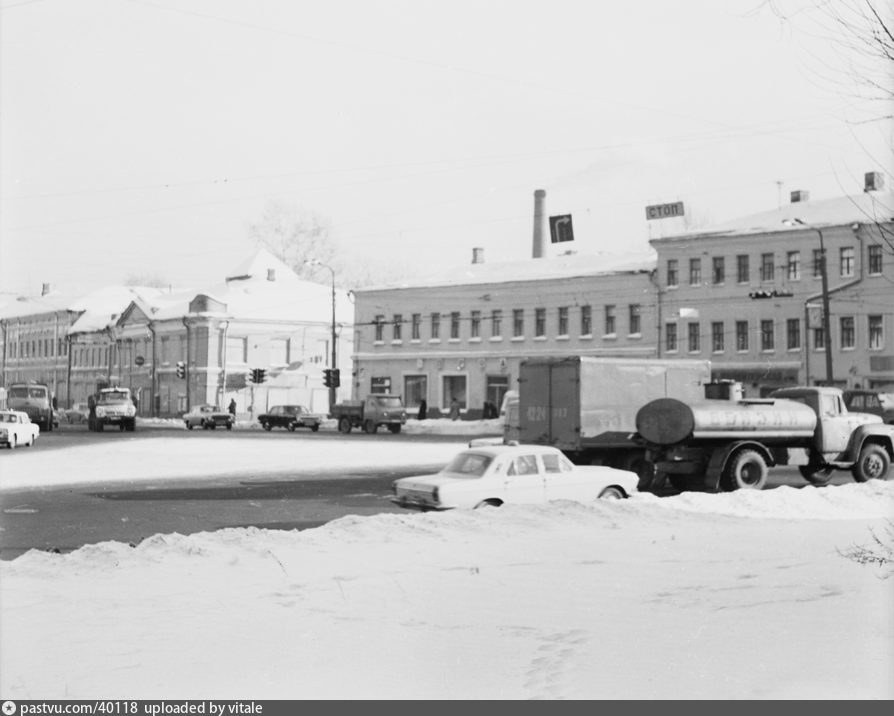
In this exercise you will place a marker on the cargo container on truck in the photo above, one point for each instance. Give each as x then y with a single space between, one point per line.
586 406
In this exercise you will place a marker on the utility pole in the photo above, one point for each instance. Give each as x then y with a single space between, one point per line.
824 277
334 356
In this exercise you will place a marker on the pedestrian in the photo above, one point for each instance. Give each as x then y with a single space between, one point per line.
454 409
423 409
232 407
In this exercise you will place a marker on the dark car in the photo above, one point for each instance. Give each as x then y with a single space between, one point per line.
289 417
871 401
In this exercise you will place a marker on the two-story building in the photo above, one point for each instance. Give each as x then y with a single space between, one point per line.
181 348
748 295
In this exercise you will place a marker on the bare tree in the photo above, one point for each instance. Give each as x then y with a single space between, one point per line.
294 237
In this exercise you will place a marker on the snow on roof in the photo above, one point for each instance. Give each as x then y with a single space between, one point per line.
565 266
868 207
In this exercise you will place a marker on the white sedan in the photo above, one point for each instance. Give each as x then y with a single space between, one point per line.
17 429
492 475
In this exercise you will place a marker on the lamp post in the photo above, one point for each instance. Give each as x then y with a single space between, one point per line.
824 277
333 364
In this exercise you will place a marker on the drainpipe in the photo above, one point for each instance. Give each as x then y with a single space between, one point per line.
223 359
68 340
654 280
152 379
188 368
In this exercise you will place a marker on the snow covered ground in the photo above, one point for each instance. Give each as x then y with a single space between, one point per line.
748 595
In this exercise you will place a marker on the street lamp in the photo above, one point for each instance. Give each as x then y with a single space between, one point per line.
824 276
333 365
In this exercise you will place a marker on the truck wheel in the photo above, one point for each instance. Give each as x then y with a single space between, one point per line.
872 464
815 475
394 428
344 426
315 427
370 427
746 471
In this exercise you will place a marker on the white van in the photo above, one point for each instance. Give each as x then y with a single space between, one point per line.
509 417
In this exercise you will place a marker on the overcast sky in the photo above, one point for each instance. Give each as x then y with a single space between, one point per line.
141 138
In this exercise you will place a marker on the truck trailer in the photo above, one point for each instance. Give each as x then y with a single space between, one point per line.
586 406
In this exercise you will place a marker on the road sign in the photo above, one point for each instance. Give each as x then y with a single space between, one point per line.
560 228
665 211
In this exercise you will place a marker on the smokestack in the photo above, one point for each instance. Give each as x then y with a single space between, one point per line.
539 201
477 256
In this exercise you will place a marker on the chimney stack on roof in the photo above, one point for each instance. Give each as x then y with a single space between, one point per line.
800 195
873 181
45 289
477 256
539 201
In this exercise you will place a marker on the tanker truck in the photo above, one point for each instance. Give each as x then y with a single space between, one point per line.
730 444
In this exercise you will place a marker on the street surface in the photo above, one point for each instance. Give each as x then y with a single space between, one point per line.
67 517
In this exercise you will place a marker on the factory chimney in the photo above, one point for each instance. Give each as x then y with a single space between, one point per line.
539 201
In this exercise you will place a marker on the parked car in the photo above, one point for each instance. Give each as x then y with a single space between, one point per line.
17 429
77 413
208 417
290 417
493 475
871 401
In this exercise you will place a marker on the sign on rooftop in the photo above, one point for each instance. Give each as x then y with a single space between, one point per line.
665 211
560 228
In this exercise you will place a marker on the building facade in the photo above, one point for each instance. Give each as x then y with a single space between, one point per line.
749 296
179 349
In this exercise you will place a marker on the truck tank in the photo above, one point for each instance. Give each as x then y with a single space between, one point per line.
668 421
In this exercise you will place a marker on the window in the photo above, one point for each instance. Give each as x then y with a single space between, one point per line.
540 322
718 270
717 336
496 322
694 338
819 339
741 336
279 351
876 333
875 260
415 323
742 269
435 326
670 341
475 324
672 273
415 390
609 320
768 342
563 320
847 332
454 325
847 261
237 350
396 331
635 319
818 263
793 334
453 386
767 267
695 272
793 265
379 323
586 320
518 323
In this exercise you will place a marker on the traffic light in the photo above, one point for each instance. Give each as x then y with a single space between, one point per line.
181 369
327 377
262 375
334 378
